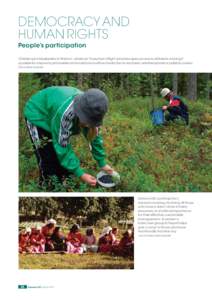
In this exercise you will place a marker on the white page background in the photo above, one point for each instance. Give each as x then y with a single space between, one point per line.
176 268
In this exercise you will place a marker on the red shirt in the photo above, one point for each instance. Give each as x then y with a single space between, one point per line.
23 240
75 238
46 231
37 239
125 241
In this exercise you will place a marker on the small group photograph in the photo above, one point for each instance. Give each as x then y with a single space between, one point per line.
76 233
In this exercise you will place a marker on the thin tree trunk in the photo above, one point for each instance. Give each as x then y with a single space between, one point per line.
192 86
153 87
175 82
79 80
208 86
152 91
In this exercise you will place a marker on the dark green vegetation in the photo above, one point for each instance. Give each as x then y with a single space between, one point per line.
172 158
87 211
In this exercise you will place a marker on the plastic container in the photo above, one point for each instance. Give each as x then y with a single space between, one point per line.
114 179
157 116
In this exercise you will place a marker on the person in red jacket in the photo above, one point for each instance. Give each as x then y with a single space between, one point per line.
105 241
75 240
37 240
176 107
126 245
24 241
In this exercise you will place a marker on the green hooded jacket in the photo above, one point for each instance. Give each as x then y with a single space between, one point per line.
52 110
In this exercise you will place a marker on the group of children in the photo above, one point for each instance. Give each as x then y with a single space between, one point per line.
51 238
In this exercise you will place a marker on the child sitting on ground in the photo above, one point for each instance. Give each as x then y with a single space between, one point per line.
125 246
75 240
104 243
113 236
47 230
37 240
58 240
24 240
90 241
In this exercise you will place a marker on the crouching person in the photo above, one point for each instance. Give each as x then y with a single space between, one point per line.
176 108
53 116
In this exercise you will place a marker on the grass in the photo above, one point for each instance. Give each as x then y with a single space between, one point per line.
172 158
74 261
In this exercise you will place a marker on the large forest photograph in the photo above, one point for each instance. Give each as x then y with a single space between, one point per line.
124 132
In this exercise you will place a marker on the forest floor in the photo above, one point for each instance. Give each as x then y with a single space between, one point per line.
172 158
74 261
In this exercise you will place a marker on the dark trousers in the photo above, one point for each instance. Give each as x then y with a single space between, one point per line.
48 162
177 112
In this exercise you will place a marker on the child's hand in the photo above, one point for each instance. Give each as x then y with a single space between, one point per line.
87 178
164 107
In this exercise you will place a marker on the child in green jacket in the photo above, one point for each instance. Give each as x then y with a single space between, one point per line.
55 114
